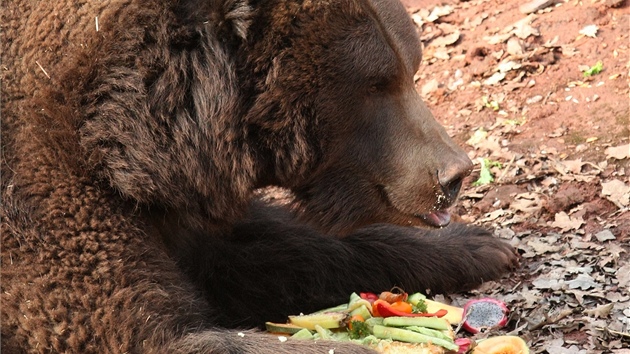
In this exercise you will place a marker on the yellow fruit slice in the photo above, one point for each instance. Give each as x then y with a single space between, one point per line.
501 345
325 320
454 315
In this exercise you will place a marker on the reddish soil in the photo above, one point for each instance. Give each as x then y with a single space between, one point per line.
549 126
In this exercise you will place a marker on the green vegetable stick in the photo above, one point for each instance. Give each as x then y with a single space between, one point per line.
404 335
430 332
338 308
356 301
324 333
363 311
303 334
430 322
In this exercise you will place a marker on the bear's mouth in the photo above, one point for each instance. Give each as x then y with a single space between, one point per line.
438 218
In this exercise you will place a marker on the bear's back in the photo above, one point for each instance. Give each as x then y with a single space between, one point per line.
42 36
40 42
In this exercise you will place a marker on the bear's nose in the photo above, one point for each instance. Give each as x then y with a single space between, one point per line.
451 177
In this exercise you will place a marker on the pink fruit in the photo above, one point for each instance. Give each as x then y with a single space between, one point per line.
484 313
465 345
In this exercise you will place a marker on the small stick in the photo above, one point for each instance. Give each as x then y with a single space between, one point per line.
41 67
505 170
96 20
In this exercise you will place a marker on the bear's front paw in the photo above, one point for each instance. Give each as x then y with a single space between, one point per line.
497 253
484 257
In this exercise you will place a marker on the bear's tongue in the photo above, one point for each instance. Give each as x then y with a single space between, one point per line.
439 218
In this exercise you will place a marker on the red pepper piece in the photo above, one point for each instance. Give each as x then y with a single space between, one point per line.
371 297
384 309
375 312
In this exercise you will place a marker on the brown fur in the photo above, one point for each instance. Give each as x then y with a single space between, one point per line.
130 155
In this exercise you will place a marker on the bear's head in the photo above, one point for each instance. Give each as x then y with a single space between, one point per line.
193 110
340 121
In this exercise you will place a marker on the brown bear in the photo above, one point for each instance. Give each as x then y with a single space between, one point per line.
136 133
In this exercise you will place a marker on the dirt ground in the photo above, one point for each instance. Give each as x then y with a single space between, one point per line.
540 98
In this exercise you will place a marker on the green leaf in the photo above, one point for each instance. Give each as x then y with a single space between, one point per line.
420 307
595 69
485 175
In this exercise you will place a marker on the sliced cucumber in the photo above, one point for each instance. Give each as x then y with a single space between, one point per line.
325 320
430 332
356 301
371 322
302 334
404 335
430 322
363 311
338 308
324 333
282 328
415 298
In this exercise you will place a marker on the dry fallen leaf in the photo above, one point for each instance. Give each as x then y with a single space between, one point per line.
429 87
477 137
438 12
605 235
448 39
583 281
534 6
508 65
570 166
617 192
523 29
618 152
547 283
623 276
542 247
566 222
589 31
515 46
601 311
494 79
497 38
527 203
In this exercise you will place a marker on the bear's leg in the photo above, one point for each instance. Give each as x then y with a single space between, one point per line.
273 267
120 295
250 342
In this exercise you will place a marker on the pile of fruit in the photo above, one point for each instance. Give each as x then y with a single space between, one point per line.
396 322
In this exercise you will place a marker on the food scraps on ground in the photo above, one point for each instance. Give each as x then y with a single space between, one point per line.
396 322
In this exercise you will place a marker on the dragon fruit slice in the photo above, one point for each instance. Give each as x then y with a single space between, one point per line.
484 313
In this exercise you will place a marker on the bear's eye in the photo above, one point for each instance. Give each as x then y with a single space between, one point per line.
378 86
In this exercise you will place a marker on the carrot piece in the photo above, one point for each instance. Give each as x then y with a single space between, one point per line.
355 318
402 306
384 309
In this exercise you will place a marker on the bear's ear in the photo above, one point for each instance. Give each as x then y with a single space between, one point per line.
226 16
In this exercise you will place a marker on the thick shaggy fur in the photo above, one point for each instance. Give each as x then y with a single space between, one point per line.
135 132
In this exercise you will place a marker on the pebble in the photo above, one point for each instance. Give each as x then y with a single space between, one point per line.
514 46
534 99
535 5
